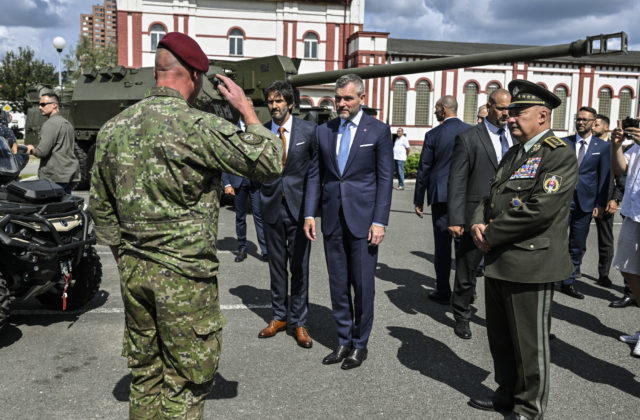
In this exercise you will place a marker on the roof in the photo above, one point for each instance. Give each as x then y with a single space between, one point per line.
415 47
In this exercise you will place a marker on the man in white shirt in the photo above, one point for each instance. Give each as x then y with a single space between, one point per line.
400 152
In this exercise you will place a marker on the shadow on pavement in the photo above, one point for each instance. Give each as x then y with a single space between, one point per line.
231 244
599 292
9 335
320 323
432 358
582 319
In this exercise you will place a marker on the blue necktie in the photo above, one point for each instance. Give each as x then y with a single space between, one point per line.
582 151
345 141
503 142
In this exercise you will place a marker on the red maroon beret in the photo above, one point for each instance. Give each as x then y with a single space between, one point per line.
186 49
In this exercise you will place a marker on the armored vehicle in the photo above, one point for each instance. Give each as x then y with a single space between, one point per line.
100 94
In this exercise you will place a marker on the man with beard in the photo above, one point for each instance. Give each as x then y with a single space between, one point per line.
522 228
476 155
592 190
282 206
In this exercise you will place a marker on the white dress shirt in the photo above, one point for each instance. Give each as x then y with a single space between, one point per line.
353 127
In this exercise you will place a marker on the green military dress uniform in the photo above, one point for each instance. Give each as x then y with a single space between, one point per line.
526 215
155 190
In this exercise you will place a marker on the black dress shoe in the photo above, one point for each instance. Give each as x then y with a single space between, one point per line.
437 297
605 281
241 256
570 290
488 404
354 359
264 257
624 302
337 355
462 329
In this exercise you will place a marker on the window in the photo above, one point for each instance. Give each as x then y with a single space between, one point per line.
236 38
399 102
423 90
604 105
492 86
305 102
310 45
625 104
471 103
560 113
157 32
327 103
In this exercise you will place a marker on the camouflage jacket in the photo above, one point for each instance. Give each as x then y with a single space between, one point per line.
155 183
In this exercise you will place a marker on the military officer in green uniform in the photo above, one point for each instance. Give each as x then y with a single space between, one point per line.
522 228
154 199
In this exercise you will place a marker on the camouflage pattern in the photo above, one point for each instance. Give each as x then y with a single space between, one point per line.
155 194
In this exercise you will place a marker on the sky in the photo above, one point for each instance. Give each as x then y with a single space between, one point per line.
34 23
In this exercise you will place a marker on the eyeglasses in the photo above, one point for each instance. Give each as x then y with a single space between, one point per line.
584 119
45 103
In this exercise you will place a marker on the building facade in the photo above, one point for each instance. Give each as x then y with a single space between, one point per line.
330 35
100 27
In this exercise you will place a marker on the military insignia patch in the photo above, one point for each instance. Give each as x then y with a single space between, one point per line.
515 202
554 142
251 138
536 147
528 170
551 183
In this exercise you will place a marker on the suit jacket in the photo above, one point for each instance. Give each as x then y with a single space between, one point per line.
473 167
526 213
236 181
593 174
435 160
364 189
301 145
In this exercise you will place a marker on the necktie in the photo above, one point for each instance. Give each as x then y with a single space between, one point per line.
582 151
284 145
503 143
345 141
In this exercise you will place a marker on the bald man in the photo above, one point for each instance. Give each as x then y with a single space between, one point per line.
433 172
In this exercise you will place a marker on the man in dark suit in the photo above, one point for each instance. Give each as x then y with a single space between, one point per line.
282 211
352 176
522 228
476 154
592 191
433 173
243 190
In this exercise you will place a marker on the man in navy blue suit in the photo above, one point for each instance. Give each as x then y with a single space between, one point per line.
433 174
590 196
352 176
281 201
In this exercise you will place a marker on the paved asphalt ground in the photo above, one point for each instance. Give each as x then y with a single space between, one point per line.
68 366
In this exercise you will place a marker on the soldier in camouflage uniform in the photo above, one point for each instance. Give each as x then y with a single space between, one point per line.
154 199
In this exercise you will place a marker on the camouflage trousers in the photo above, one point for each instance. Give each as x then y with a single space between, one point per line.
172 339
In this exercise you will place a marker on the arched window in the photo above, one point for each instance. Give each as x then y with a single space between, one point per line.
471 103
310 45
236 38
560 113
326 103
625 104
399 102
423 89
492 86
156 32
305 102
604 103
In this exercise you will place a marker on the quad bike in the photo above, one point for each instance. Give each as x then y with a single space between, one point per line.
46 241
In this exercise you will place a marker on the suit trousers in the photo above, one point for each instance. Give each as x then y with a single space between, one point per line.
468 257
351 264
518 325
442 243
287 243
578 231
604 225
243 194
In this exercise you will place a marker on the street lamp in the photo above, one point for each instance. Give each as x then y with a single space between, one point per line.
59 44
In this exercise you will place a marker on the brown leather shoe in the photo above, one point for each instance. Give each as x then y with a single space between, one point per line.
302 337
273 327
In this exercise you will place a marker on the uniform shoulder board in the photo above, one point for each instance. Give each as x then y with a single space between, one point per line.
554 142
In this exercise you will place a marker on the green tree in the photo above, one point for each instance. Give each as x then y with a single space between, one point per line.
20 70
85 55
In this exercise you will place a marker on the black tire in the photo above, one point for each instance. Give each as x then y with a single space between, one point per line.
88 276
81 155
5 299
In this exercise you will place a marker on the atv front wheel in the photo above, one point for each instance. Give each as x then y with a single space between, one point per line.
4 303
87 275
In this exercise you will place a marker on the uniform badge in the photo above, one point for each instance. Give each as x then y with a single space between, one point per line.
516 202
251 138
551 183
536 147
528 170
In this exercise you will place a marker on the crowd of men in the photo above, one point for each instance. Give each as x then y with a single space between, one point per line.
506 189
